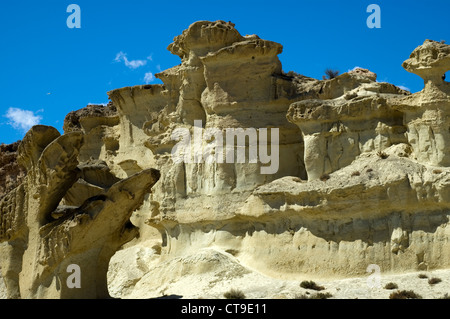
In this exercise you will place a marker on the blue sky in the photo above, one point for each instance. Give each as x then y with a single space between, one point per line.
48 70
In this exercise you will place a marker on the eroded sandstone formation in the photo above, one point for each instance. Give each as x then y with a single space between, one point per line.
225 80
11 173
427 113
42 236
354 119
367 199
363 175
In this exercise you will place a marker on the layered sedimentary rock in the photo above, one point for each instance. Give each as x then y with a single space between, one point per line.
345 173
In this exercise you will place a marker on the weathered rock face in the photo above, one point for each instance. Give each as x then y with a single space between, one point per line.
427 113
373 209
339 128
72 120
348 172
42 237
11 173
392 212
225 81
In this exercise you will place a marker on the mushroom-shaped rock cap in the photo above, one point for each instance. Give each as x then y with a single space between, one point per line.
430 61
203 37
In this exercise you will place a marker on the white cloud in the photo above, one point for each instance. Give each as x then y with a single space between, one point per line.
133 64
22 119
404 88
149 77
102 104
